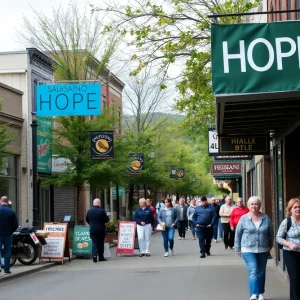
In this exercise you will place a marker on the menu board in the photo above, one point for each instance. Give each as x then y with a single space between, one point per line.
82 243
56 241
126 237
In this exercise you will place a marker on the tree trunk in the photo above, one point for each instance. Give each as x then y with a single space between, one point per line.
77 206
130 201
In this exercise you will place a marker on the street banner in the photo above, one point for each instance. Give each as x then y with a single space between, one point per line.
213 142
126 236
67 99
173 173
43 141
226 168
136 163
255 58
102 145
181 173
57 246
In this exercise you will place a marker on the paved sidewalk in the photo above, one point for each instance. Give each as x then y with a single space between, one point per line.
181 277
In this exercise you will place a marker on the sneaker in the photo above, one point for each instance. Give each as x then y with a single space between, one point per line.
202 256
172 252
253 297
95 259
215 241
166 254
261 297
194 237
179 237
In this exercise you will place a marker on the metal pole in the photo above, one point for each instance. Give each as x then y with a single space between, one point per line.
35 201
118 202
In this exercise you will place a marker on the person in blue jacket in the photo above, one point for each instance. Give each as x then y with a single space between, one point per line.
204 218
145 222
8 225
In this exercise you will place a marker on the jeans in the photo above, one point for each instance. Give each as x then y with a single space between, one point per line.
98 245
6 241
168 238
204 235
181 225
144 234
256 264
192 226
228 235
215 229
292 262
220 229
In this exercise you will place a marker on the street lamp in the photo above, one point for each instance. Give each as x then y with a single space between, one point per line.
35 201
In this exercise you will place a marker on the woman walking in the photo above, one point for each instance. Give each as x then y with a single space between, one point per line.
190 213
288 236
253 240
168 218
144 219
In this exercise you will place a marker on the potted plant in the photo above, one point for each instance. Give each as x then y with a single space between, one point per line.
111 230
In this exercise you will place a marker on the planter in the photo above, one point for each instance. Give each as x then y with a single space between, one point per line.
109 238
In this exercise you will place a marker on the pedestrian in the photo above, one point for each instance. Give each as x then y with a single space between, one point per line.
96 217
160 205
8 225
145 226
190 212
182 218
204 217
151 206
288 236
225 212
253 240
216 207
237 213
168 218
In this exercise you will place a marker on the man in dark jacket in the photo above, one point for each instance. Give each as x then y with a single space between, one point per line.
181 210
216 207
204 218
96 217
8 225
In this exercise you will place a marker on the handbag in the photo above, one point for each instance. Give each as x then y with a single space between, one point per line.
161 227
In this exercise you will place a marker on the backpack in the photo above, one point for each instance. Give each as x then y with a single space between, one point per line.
288 226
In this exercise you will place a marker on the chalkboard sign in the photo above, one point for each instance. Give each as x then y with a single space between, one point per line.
82 243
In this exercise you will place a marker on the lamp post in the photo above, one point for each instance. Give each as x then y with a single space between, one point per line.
35 201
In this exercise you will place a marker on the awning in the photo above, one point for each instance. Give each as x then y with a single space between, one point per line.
257 113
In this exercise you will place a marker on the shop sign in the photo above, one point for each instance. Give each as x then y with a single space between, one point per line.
213 142
250 58
243 145
60 164
102 145
68 99
226 168
136 163
121 191
126 236
233 157
44 139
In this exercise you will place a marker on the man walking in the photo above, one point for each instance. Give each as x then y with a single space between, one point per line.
8 225
225 212
216 207
204 218
96 217
181 210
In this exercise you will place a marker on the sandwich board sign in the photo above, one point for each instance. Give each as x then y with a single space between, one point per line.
126 236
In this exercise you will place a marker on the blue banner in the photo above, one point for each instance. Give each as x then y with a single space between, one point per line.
68 99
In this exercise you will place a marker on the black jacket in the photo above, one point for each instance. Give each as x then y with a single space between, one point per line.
96 217
8 221
217 209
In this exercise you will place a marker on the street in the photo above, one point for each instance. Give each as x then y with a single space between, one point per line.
182 277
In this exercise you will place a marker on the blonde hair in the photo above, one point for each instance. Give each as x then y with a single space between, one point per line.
290 205
143 200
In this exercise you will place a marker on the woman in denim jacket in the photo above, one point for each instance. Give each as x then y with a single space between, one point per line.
168 216
253 240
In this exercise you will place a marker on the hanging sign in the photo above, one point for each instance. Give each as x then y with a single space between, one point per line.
173 173
66 99
181 173
57 246
126 236
226 168
213 143
243 145
102 145
136 163
233 157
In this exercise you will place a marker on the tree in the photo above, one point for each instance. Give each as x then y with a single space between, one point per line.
79 51
177 31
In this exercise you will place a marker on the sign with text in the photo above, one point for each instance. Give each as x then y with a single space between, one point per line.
121 191
223 168
126 236
250 58
233 157
56 241
250 144
44 139
136 163
102 145
60 164
213 142
66 99
82 243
